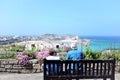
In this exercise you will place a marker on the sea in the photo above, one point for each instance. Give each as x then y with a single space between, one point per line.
102 43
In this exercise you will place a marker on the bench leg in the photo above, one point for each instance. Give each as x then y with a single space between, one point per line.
113 78
104 79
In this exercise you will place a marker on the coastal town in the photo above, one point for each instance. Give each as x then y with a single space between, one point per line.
43 41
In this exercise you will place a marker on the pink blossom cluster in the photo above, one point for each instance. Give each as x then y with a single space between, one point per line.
23 59
21 56
42 55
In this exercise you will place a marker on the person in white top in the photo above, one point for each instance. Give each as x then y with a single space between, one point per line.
52 56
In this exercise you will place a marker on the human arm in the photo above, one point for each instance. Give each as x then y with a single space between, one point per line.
67 56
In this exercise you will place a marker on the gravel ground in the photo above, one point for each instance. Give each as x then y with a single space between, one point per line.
34 76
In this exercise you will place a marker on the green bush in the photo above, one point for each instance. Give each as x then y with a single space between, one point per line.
17 48
31 53
116 55
89 54
7 56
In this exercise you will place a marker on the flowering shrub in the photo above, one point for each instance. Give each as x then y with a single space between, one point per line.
24 62
22 55
23 59
42 55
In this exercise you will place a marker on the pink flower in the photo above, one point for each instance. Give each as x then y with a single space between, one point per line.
21 56
23 59
42 55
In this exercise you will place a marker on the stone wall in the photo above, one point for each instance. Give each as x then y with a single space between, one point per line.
13 66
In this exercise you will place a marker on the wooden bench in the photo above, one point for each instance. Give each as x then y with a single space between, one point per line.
86 69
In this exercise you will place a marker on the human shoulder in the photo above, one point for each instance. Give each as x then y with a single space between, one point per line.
78 50
53 58
57 58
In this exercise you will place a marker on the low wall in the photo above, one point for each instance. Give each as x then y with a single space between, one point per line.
13 66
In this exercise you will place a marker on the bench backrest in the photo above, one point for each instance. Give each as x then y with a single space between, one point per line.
80 69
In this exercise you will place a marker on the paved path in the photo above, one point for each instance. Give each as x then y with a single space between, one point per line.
34 76
15 76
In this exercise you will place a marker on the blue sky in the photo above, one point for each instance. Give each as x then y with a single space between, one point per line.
77 17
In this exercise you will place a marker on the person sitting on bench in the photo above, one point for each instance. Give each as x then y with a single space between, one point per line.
74 54
52 56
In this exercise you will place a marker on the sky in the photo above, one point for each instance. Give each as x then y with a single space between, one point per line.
75 17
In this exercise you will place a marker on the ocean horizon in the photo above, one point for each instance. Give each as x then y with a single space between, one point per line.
101 43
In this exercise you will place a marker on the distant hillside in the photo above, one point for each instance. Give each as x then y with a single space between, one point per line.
11 39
